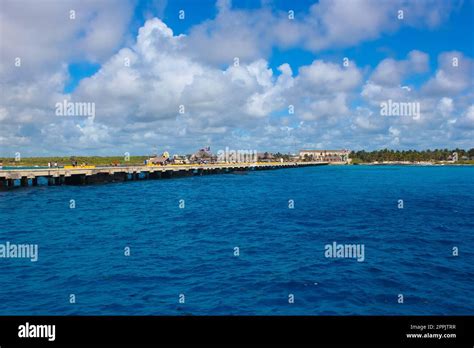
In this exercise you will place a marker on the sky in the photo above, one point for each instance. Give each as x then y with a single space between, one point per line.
265 75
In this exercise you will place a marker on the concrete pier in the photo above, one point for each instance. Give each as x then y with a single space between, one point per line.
85 176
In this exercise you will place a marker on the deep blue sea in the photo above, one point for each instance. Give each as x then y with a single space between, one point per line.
190 250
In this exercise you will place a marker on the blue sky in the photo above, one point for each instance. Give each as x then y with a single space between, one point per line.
454 34
283 62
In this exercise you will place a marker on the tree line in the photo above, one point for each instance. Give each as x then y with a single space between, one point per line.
411 155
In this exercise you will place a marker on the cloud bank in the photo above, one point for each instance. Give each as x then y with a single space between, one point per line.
215 85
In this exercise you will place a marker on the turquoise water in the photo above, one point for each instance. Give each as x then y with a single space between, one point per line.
190 250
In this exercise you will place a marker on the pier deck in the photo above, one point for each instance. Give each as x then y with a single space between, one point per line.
82 176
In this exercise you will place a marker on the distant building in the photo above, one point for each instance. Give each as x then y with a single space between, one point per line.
177 159
265 157
332 156
158 160
203 156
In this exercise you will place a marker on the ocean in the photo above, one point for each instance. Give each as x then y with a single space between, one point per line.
254 244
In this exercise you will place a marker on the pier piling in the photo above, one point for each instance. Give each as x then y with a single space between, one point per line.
24 181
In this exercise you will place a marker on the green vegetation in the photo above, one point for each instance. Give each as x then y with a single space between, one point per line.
356 161
91 160
437 155
279 155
